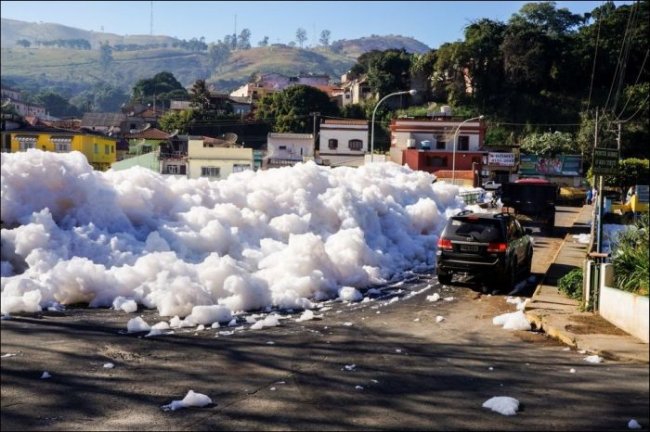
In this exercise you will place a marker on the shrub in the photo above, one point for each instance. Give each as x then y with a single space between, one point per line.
630 258
571 284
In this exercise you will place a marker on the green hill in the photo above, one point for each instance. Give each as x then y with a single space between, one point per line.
69 70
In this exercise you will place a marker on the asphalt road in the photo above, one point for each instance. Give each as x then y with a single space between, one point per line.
413 372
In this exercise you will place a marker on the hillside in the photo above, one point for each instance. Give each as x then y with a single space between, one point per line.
355 47
69 70
13 30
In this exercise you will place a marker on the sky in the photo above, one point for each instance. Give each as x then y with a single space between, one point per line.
430 22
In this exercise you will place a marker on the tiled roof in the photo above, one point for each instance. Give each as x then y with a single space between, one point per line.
102 119
290 135
151 133
346 122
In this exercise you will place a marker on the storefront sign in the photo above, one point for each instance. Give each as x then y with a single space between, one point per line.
501 159
565 165
605 161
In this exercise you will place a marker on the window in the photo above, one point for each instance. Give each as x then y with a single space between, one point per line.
27 142
282 147
62 144
96 148
107 149
355 144
240 167
437 161
333 144
208 171
463 143
172 169
132 126
441 144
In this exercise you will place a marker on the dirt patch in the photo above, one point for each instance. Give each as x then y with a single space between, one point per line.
592 324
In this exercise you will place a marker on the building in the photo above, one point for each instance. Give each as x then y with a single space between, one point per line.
427 144
273 82
99 150
113 123
287 149
14 98
212 158
343 142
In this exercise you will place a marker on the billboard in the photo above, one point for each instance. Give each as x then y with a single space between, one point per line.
565 165
501 159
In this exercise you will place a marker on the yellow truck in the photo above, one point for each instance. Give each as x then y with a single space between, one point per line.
637 202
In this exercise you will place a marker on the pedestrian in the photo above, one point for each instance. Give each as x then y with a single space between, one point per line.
589 196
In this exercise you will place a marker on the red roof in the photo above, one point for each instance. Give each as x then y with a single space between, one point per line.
152 133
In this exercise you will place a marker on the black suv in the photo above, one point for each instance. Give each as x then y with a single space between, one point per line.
492 246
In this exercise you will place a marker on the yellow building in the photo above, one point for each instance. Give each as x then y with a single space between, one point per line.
100 150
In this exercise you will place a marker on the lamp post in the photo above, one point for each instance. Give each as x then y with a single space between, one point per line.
453 154
372 128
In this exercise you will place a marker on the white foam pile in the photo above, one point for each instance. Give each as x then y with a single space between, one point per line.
283 238
504 405
191 399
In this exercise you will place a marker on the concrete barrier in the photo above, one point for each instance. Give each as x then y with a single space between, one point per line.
625 310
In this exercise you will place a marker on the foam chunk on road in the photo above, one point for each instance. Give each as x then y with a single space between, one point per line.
512 321
191 399
504 405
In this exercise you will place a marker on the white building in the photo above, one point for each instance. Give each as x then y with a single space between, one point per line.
286 149
216 162
343 142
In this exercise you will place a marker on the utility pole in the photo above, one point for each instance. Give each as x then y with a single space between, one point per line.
151 21
315 116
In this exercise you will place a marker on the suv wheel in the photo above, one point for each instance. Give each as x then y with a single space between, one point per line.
445 279
529 264
510 277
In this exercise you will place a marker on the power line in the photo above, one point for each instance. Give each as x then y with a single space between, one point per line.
593 68
620 56
635 83
637 111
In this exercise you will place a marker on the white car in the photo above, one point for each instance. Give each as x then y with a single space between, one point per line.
491 185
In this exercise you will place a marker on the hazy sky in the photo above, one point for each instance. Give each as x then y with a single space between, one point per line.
431 22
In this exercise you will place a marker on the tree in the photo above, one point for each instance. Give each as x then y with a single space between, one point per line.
290 109
218 54
325 38
244 40
264 42
23 43
301 36
554 22
177 120
56 105
105 55
389 72
200 96
548 144
163 87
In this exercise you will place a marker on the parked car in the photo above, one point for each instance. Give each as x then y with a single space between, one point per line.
491 185
493 246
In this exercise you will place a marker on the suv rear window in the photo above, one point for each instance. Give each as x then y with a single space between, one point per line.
480 230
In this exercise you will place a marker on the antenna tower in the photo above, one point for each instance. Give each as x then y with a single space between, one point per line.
151 21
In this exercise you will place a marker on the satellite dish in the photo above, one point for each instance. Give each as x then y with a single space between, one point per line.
230 137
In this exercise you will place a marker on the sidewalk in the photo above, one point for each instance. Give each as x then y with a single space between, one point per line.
560 317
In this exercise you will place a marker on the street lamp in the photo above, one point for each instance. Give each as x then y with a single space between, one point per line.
372 128
453 155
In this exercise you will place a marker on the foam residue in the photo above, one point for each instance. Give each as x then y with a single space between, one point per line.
286 237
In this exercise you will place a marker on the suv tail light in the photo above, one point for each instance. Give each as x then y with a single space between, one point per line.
445 244
497 247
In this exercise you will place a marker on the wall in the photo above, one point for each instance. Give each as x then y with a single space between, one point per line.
625 310
223 158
